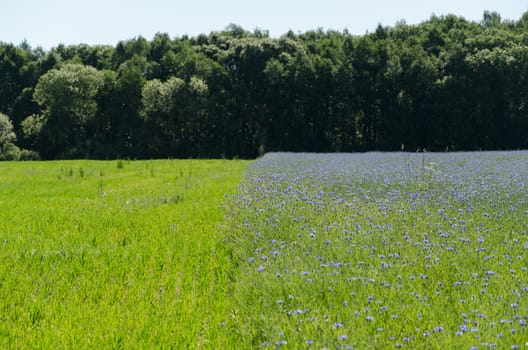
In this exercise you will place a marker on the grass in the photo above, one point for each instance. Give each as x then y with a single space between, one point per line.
417 251
114 254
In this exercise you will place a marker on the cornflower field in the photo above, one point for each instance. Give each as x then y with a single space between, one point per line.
418 251
293 251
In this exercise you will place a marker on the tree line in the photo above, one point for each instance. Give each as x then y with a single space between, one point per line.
444 84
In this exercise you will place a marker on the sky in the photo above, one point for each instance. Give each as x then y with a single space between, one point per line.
47 23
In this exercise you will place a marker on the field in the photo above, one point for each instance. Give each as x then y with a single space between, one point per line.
113 254
418 251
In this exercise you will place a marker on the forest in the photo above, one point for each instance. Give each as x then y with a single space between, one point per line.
446 84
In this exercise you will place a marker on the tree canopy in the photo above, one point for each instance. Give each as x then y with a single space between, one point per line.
446 83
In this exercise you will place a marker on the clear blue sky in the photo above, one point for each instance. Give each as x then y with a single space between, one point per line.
47 23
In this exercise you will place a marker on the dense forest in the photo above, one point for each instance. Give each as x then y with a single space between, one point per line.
445 84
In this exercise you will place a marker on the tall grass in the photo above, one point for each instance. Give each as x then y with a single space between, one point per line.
114 254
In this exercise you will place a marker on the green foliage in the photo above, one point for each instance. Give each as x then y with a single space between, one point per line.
198 86
32 126
67 94
161 99
6 130
67 98
28 155
9 151
445 83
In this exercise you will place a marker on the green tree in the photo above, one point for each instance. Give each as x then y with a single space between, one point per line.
105 127
8 151
162 106
7 133
17 72
128 49
126 100
67 97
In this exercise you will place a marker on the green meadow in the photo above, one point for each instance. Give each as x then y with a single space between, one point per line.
114 254
293 251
